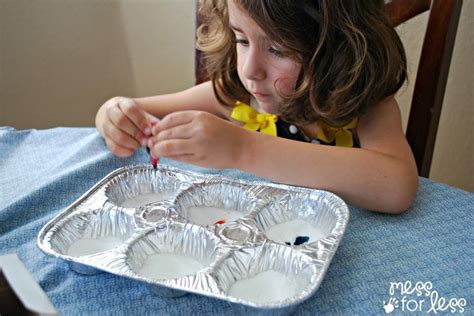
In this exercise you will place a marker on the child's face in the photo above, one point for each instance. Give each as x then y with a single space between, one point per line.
263 66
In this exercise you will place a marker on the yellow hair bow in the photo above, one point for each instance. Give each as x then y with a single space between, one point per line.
253 120
342 135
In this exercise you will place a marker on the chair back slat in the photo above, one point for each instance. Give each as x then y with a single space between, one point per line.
401 11
431 79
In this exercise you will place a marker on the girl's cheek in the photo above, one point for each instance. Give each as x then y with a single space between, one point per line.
286 85
286 82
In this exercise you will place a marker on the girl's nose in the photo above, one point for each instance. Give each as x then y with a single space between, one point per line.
254 66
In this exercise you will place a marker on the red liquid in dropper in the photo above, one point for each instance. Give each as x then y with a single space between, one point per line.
154 162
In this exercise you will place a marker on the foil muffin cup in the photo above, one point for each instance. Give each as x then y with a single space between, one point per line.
267 276
143 186
301 219
263 247
217 202
90 233
172 252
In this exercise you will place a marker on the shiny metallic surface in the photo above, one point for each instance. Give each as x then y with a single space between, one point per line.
98 233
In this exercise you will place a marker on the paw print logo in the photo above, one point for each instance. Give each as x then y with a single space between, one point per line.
391 305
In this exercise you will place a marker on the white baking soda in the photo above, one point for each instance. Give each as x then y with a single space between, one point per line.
169 266
288 231
266 287
144 199
89 246
207 215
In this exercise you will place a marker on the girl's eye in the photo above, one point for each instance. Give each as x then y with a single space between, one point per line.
241 41
277 52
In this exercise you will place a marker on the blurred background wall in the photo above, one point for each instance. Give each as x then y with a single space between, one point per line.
61 59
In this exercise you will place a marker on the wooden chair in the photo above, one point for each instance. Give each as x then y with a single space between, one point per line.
432 73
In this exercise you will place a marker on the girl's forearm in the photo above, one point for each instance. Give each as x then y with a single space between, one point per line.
363 178
200 97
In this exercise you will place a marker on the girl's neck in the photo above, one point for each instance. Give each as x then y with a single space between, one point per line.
254 103
309 130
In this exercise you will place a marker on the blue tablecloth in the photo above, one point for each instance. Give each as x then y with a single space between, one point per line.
43 171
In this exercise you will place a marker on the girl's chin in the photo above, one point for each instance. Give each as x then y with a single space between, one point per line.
268 107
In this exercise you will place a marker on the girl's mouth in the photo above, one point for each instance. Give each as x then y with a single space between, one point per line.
260 95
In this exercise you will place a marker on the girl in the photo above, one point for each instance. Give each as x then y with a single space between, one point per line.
315 73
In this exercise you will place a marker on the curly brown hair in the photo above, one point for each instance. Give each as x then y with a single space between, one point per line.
351 56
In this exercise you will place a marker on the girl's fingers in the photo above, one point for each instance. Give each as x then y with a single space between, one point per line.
174 119
119 137
136 116
122 122
117 149
174 147
178 132
152 119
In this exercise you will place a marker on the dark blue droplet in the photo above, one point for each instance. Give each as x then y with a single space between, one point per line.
301 240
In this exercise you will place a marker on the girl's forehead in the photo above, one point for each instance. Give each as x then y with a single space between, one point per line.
237 16
240 21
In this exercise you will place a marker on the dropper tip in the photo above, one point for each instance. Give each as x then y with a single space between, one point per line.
154 162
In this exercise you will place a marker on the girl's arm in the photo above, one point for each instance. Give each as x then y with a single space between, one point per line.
200 97
380 176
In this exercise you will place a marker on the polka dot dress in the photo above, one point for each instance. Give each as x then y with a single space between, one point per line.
290 131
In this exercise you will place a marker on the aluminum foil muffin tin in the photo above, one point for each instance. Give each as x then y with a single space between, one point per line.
184 232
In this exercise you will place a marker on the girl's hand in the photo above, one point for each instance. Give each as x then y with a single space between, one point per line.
199 138
123 125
